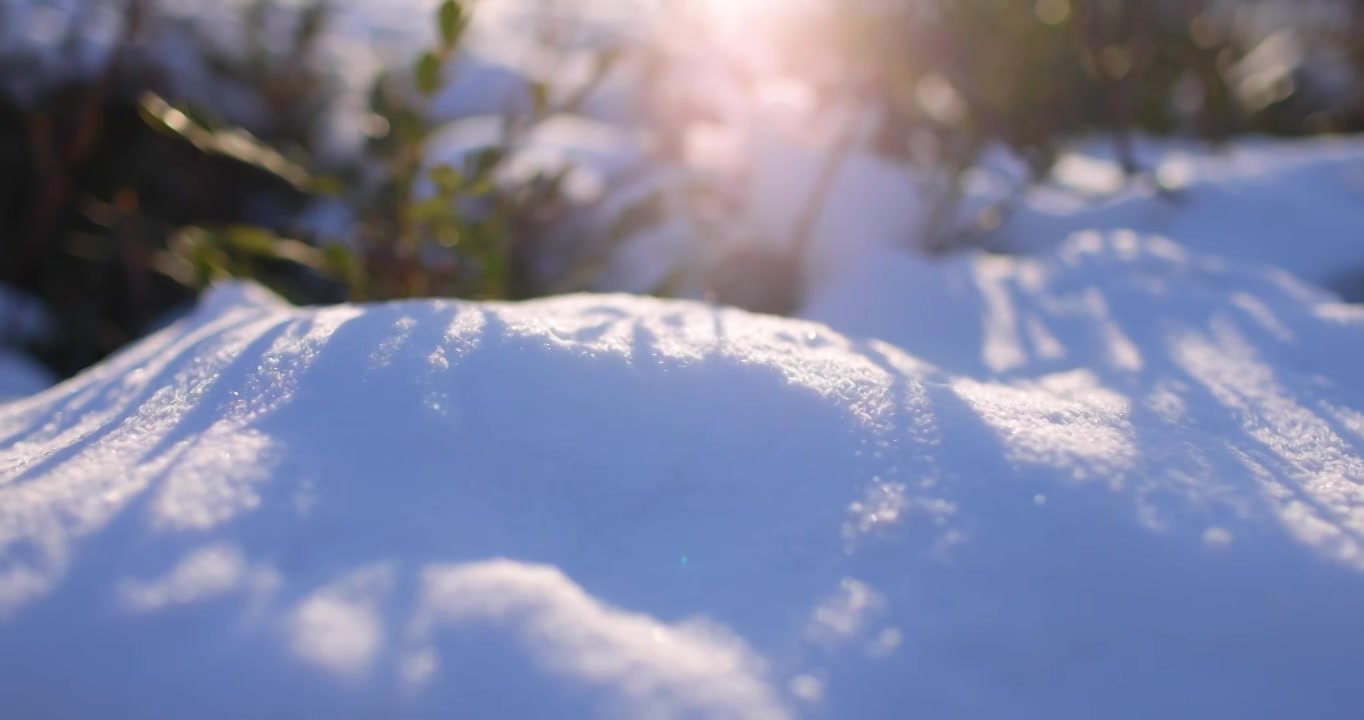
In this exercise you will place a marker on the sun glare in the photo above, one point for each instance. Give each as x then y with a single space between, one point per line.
754 29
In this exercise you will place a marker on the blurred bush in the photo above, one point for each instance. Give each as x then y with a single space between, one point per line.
122 195
91 193
947 79
1033 73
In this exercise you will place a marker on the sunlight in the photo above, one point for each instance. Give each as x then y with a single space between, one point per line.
759 37
745 16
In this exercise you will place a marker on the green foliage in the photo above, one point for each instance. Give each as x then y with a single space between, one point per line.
452 21
99 171
1029 74
233 143
120 199
464 231
950 77
290 85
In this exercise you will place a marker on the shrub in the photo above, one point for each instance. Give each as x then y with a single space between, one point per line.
90 193
119 201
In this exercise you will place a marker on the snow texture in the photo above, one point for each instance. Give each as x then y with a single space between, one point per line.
1295 205
1141 494
1121 477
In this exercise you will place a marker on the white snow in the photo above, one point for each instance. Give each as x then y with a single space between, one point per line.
1295 205
478 86
1131 485
592 154
1120 476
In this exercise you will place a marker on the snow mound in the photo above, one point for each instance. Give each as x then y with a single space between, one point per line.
602 506
1295 205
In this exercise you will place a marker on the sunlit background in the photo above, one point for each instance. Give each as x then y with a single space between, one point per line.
366 150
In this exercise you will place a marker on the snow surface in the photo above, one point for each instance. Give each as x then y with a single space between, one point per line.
1297 205
1139 492
1120 477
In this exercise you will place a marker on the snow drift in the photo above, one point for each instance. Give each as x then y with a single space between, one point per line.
1295 205
610 506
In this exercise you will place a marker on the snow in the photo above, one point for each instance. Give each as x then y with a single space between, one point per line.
1102 301
21 376
1295 205
479 86
594 155
1137 489
1119 475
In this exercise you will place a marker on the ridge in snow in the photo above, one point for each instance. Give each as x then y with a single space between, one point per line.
610 506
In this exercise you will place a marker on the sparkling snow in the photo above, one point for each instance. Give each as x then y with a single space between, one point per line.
1120 476
612 506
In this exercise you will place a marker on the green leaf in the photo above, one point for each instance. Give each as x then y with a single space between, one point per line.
299 252
452 24
328 185
251 240
486 160
430 210
447 180
232 142
343 264
411 128
339 258
160 115
428 74
482 187
539 93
